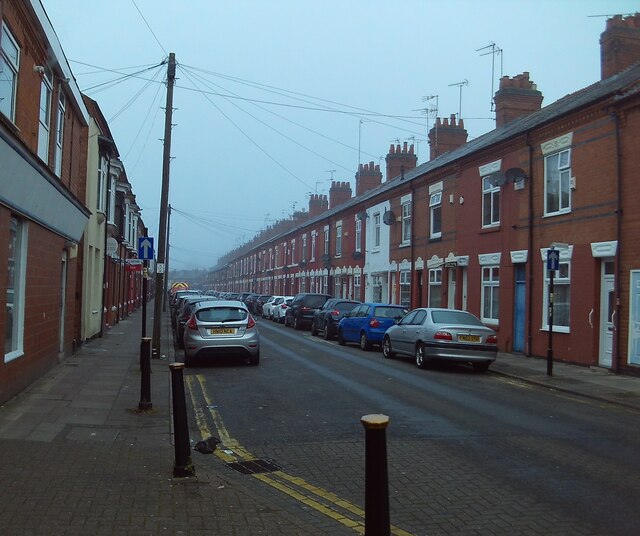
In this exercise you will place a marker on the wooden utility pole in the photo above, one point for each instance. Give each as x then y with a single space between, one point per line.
166 263
164 203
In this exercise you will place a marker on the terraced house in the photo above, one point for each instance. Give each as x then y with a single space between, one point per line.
471 227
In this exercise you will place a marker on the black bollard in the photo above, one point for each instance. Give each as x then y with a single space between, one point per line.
183 465
145 374
376 499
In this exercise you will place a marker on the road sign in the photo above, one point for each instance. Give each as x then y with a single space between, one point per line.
553 259
145 248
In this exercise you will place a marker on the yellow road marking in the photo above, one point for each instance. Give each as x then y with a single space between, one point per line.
239 452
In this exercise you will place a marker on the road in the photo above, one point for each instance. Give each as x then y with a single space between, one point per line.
467 453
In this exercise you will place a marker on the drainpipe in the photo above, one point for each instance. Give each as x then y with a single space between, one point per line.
615 358
412 272
530 252
105 275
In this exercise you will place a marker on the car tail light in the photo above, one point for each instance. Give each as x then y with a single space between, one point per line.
303 308
443 336
191 324
492 339
374 323
335 313
284 306
251 323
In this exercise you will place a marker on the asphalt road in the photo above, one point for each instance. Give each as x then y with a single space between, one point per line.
467 453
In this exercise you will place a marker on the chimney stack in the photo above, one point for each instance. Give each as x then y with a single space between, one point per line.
517 97
619 44
339 193
368 177
400 159
317 205
446 135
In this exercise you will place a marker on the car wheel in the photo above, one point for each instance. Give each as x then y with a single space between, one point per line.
327 334
341 340
296 323
314 329
421 360
254 360
365 345
481 367
386 348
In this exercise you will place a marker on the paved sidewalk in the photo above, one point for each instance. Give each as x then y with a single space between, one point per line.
78 458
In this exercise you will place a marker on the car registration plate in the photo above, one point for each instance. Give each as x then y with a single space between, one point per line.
222 331
469 338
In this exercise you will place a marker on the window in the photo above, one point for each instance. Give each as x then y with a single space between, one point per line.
376 230
358 234
112 199
304 247
326 240
557 174
377 288
561 296
356 286
337 286
435 215
276 256
313 245
45 115
293 251
406 222
325 284
435 287
490 203
9 67
490 293
16 275
338 239
101 194
59 134
405 288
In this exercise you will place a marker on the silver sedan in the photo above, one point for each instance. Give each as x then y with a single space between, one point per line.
221 328
442 334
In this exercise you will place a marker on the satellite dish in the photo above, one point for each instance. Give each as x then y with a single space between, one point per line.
497 178
515 174
388 217
363 215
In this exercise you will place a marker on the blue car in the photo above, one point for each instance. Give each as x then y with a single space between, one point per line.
367 323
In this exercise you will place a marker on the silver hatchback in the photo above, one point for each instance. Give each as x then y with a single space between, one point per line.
442 334
221 328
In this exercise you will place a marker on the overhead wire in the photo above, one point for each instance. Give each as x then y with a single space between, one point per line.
148 26
242 131
135 97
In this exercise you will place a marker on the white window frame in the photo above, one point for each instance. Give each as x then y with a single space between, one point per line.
339 239
490 198
13 65
57 157
293 251
435 281
405 288
358 235
435 214
406 221
44 115
376 229
326 240
19 268
112 199
490 280
304 247
563 180
313 245
102 185
357 282
558 282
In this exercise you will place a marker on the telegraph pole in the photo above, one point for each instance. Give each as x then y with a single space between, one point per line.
164 202
166 263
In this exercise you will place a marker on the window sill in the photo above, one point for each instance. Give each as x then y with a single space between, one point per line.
435 238
492 229
13 355
404 245
556 329
559 213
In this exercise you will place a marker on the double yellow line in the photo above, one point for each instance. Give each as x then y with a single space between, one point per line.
229 451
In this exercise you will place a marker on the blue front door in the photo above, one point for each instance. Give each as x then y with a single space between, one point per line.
519 308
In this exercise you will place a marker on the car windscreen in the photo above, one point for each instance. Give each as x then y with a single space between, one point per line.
314 302
388 312
345 307
222 314
278 301
455 317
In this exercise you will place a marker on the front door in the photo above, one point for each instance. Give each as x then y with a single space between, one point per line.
451 288
634 319
519 308
607 314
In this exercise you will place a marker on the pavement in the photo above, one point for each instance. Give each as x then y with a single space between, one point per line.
78 457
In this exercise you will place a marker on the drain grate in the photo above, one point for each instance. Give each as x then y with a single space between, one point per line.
252 467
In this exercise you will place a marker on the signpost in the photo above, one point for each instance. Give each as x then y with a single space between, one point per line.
553 264
145 254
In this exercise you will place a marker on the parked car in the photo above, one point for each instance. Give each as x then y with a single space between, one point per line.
326 318
184 314
442 334
221 328
367 323
302 309
260 301
268 306
279 311
176 307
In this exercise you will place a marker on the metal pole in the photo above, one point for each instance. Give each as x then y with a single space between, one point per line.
145 374
145 283
376 501
550 343
183 466
164 201
166 263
